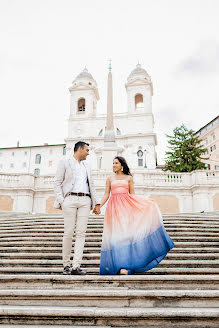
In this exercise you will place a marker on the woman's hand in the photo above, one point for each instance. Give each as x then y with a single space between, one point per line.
96 210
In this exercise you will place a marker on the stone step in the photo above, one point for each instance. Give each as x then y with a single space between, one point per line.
95 270
50 255
100 221
133 282
33 239
103 297
38 249
132 317
94 263
94 231
53 226
34 243
99 235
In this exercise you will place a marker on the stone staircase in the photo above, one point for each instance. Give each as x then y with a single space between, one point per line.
182 291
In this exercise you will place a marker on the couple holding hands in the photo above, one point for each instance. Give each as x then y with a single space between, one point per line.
134 237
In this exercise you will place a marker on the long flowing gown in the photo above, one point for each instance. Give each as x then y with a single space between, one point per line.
134 237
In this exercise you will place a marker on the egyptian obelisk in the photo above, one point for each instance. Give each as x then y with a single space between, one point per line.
110 149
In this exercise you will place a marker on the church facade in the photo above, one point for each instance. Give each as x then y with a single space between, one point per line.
133 129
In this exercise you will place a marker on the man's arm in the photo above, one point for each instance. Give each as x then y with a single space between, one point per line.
59 178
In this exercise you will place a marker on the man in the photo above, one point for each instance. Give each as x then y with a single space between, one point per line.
76 196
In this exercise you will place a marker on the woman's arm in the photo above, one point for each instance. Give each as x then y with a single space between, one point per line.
131 186
106 193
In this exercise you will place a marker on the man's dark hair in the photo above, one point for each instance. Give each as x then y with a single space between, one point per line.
80 144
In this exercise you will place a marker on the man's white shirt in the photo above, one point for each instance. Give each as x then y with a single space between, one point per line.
81 178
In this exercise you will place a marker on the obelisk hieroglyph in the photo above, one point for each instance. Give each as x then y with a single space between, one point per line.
110 149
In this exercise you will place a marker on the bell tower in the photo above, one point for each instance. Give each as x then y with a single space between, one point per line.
139 91
84 96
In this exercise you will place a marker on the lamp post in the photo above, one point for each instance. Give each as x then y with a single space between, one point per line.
145 152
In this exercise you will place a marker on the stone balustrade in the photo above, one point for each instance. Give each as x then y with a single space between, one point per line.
190 192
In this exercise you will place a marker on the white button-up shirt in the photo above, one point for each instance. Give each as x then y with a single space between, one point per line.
81 178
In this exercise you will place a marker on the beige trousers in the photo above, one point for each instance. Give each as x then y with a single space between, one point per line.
75 210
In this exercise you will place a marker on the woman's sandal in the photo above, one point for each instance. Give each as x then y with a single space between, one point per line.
123 272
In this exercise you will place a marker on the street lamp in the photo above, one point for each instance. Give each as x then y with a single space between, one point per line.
145 152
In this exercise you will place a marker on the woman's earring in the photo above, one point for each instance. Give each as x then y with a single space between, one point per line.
122 169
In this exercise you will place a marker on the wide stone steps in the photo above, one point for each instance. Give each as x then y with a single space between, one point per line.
120 316
95 270
92 246
111 297
98 236
96 256
91 262
39 251
173 281
182 291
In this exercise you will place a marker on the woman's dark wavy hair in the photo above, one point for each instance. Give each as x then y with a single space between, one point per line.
124 164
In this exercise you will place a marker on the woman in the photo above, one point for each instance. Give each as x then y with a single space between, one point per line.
134 238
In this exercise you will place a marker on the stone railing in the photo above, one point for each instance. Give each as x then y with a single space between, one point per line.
141 178
16 181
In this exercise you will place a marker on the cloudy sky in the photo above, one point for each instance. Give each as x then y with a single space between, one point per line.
46 43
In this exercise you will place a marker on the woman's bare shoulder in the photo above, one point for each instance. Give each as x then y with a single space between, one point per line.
110 178
130 178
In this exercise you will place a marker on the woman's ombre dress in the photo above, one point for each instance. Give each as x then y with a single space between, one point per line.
134 237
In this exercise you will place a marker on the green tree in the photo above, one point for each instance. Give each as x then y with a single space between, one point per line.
185 151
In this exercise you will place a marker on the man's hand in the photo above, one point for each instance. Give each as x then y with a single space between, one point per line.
97 209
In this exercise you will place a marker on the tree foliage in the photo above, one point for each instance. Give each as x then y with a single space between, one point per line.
185 151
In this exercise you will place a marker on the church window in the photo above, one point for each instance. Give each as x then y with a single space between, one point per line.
100 133
213 148
13 153
25 153
140 157
139 101
38 159
118 132
64 150
216 167
81 105
11 165
37 172
24 164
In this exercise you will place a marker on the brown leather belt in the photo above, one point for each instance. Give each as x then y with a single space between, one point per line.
77 194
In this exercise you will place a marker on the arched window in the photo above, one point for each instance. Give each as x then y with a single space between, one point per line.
100 133
118 132
37 172
81 105
38 159
139 102
140 157
64 150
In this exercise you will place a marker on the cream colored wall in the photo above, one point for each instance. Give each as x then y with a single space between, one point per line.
208 142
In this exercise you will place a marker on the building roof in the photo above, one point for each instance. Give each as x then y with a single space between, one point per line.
138 71
45 145
85 74
208 124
